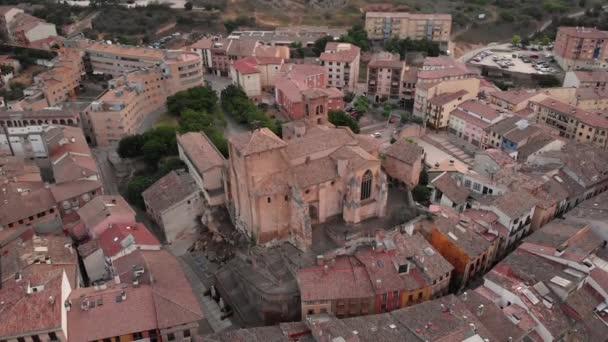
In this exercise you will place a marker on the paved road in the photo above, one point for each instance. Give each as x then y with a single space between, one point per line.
108 178
151 119
218 84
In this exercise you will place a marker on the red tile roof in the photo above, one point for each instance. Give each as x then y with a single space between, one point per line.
582 115
167 301
27 314
203 154
247 65
482 109
469 118
340 52
120 236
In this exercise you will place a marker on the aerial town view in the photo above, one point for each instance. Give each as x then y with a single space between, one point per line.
303 170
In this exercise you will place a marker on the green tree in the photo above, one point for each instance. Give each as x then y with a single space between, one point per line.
515 40
362 104
197 98
169 164
340 118
135 188
193 121
423 179
319 45
130 146
188 6
153 150
357 35
421 194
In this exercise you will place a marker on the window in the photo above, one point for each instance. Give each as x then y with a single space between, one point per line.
35 338
476 186
366 185
170 337
138 336
186 333
53 336
107 340
268 200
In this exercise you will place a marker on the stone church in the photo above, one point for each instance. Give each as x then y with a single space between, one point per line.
277 189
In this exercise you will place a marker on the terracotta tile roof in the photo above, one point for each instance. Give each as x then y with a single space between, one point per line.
25 314
242 47
169 190
514 96
441 319
484 110
499 157
470 119
584 116
204 43
446 98
592 76
203 154
340 52
268 60
246 65
68 190
344 278
268 51
100 207
120 236
258 141
449 187
315 172
493 318
33 199
166 302
319 139
582 32
405 151
514 204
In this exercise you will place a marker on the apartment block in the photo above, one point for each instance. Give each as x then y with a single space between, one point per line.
581 48
341 62
470 119
131 97
572 122
389 79
586 79
116 60
432 27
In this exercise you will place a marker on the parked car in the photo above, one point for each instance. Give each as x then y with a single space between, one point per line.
376 135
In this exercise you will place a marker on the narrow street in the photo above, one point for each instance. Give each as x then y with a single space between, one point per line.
108 178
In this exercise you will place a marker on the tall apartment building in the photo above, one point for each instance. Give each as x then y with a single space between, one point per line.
122 108
341 62
432 27
572 123
581 48
390 79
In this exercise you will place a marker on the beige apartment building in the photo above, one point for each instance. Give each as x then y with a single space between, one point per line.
572 123
426 91
341 62
116 60
385 25
121 110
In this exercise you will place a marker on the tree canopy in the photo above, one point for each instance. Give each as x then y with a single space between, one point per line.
197 98
340 118
236 104
403 46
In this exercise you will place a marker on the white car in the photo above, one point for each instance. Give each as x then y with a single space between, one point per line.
376 135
